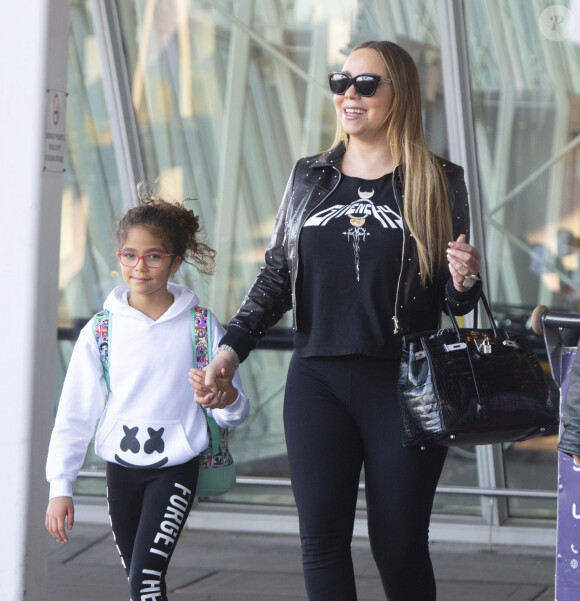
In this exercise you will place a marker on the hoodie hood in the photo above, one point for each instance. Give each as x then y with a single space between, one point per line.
183 300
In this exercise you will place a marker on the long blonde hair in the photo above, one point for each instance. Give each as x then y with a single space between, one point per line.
426 204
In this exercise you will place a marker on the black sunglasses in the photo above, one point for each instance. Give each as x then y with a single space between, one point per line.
365 84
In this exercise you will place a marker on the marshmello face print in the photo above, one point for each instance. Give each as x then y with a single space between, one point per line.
153 444
356 216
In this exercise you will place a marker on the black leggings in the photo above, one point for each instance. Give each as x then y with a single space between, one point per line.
148 509
341 413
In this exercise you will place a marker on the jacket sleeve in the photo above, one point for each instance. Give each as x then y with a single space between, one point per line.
570 439
238 411
81 403
461 302
271 294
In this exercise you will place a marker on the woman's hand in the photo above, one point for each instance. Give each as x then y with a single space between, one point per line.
213 387
576 460
60 511
464 263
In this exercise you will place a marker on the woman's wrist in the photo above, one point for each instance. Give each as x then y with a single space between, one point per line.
469 282
461 292
228 349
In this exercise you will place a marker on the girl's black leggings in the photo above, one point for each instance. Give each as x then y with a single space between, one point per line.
148 509
341 413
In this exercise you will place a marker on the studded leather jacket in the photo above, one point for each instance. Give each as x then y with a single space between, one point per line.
273 293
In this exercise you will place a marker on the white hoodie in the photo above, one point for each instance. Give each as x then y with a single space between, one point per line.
150 419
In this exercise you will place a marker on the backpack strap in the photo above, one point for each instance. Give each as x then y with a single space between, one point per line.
202 348
102 333
201 336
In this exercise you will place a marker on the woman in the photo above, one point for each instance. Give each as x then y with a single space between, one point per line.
359 253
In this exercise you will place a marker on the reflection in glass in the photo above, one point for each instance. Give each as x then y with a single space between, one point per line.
525 103
91 201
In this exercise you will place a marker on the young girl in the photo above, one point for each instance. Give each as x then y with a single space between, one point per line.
150 430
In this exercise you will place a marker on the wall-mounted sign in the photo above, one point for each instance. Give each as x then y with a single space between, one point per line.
54 137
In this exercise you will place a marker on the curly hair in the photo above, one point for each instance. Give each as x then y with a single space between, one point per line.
177 226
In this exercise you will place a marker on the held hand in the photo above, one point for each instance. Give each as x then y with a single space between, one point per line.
59 511
464 263
213 387
223 360
226 393
210 398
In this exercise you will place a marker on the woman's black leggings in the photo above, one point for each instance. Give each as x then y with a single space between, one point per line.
148 509
341 413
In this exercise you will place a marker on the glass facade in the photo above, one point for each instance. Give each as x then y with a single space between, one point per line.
524 87
218 99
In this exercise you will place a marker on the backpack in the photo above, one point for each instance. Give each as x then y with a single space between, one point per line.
217 471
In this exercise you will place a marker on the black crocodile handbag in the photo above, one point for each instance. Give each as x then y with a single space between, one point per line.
473 386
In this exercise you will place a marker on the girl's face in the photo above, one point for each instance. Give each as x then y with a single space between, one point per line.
143 280
364 117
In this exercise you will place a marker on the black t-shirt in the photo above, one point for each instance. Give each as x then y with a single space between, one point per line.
350 259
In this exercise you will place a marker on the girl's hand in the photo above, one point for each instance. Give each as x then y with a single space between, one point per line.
214 390
576 460
464 263
59 511
204 396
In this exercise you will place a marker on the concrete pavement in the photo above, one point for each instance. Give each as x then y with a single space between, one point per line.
220 566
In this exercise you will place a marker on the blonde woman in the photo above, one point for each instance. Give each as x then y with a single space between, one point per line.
370 238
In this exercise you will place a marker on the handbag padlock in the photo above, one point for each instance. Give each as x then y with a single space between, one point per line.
483 346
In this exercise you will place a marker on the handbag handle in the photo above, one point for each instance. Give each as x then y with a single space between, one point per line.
483 299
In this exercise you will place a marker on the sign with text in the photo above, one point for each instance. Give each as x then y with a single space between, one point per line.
54 137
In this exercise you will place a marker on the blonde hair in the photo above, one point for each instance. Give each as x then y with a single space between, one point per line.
426 204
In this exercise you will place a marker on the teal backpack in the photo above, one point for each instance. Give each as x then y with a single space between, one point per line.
217 471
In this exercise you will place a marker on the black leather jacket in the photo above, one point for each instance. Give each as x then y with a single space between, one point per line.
312 179
570 439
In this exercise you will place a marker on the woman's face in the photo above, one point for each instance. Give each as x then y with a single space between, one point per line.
364 117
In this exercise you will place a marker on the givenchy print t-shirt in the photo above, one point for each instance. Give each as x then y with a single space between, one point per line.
350 259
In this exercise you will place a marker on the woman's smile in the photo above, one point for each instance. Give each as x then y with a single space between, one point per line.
351 112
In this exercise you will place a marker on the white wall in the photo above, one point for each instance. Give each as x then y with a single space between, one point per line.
33 58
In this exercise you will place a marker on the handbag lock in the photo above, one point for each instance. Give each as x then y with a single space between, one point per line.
483 346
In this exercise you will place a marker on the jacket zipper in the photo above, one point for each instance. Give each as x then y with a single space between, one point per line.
294 300
395 316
